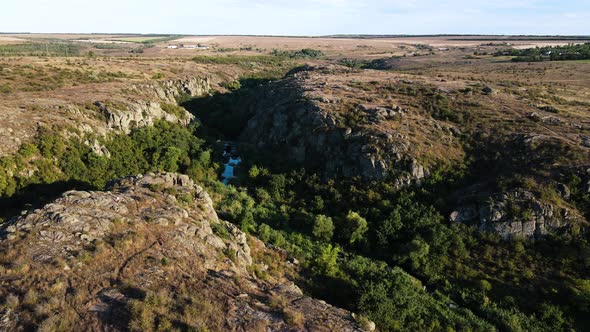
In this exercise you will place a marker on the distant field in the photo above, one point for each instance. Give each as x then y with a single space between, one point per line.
355 47
147 39
10 40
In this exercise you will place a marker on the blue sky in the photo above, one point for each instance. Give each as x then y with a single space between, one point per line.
298 17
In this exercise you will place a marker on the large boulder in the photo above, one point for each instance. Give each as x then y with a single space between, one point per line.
149 253
516 214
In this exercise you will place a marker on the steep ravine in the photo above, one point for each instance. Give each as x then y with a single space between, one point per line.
287 119
300 119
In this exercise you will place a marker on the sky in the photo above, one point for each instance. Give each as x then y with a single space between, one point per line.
298 17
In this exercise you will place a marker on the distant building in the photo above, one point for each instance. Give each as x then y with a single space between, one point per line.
189 47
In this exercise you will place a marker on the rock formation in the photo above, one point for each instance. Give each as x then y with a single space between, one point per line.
516 214
143 112
292 116
150 252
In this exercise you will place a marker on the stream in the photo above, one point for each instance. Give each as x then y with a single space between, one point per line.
230 152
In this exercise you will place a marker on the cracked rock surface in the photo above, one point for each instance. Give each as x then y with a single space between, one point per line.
148 248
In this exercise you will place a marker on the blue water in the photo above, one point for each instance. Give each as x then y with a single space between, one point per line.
228 171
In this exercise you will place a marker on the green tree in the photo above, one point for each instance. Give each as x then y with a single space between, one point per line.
356 227
485 286
254 172
326 262
416 252
277 186
323 227
553 317
170 159
317 203
390 228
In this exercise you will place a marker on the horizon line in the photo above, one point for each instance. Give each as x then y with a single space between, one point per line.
338 35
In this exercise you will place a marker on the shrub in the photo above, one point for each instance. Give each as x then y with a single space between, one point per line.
175 110
356 226
323 227
158 76
27 150
293 318
5 89
326 261
220 230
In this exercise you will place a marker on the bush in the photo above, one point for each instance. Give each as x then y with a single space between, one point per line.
5 89
326 261
27 150
175 110
305 53
323 227
293 318
356 227
158 76
220 230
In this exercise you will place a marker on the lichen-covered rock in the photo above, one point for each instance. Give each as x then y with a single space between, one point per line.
79 218
289 117
139 114
144 112
516 214
171 89
102 256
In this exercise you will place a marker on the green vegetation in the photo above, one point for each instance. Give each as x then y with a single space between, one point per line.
377 64
387 253
549 53
51 165
5 88
40 49
323 227
49 77
306 53
259 66
354 63
371 247
238 59
175 110
442 108
108 46
371 233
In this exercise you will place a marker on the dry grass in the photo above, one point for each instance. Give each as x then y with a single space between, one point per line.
39 89
57 295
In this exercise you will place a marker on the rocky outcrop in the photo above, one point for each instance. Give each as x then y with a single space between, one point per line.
139 114
516 214
99 260
289 117
144 112
172 89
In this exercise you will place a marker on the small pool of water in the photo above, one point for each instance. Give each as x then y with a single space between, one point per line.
229 170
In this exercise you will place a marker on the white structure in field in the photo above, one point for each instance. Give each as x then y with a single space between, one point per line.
189 47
